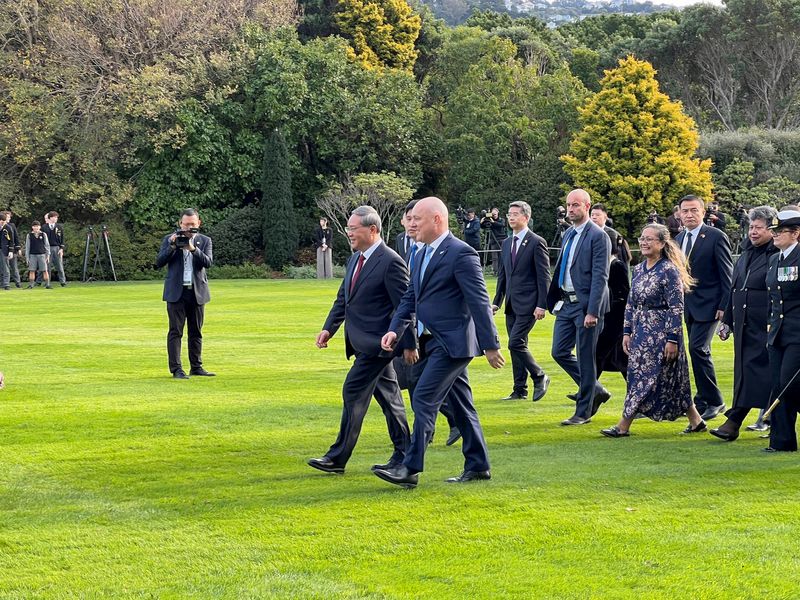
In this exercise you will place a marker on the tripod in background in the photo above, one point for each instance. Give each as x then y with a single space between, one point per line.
99 246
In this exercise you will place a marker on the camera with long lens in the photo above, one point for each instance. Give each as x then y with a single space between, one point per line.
461 215
182 236
486 218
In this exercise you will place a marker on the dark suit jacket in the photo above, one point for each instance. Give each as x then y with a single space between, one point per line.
451 301
784 296
589 271
711 265
523 285
367 312
399 244
202 258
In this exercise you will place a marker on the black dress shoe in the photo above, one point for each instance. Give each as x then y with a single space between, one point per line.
615 432
399 475
389 465
325 464
180 374
540 388
201 372
599 398
515 396
575 420
711 412
701 426
454 436
467 476
728 432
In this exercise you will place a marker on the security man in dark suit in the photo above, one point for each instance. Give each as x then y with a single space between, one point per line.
375 280
578 296
522 280
709 253
783 339
454 322
187 254
6 252
403 242
13 263
55 235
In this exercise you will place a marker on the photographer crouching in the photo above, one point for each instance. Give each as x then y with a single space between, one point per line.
187 254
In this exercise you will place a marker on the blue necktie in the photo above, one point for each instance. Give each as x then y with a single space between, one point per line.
565 259
412 252
425 260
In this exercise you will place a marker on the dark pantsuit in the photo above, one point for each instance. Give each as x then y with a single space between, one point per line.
707 393
370 375
570 333
522 362
185 311
785 362
445 377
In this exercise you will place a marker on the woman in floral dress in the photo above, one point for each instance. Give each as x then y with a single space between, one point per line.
658 372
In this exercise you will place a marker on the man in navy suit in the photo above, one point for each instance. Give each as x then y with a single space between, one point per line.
579 298
711 264
454 323
375 280
522 280
187 257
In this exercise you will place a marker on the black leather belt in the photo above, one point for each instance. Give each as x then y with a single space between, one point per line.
570 297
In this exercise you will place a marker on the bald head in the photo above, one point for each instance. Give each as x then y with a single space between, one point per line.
578 203
430 219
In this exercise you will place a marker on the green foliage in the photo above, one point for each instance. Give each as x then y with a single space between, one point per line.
635 151
238 238
502 122
381 33
280 231
310 272
246 270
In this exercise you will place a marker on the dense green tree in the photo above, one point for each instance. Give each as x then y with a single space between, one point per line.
636 149
280 229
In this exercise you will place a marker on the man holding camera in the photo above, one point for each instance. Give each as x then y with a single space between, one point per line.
187 254
472 230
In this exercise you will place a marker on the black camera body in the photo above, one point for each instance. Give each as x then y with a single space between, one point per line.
182 237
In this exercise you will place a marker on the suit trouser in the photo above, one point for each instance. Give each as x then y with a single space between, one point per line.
784 361
701 333
522 362
569 333
737 414
445 377
13 266
5 271
185 311
413 375
57 264
370 375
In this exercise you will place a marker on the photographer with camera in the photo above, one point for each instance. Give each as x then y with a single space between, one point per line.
187 254
714 217
472 230
496 233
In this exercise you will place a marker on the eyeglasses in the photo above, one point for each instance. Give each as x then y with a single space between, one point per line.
648 240
779 231
513 215
351 229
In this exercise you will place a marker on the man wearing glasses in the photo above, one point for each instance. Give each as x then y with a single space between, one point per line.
523 277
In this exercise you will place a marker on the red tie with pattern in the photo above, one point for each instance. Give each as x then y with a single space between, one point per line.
357 272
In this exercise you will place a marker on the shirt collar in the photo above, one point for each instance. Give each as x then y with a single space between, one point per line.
521 234
368 252
696 231
579 230
789 250
435 244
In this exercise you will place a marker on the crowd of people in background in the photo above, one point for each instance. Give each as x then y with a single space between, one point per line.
433 315
42 248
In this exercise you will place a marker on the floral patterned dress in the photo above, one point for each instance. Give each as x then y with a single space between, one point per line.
653 316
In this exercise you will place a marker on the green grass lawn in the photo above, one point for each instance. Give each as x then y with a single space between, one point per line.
117 481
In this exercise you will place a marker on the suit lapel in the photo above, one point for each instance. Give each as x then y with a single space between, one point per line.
579 244
701 236
351 265
523 243
435 260
368 267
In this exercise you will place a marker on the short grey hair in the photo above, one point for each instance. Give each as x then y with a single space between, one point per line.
523 207
369 216
762 213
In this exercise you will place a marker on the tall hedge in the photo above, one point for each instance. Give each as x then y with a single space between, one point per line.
280 229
